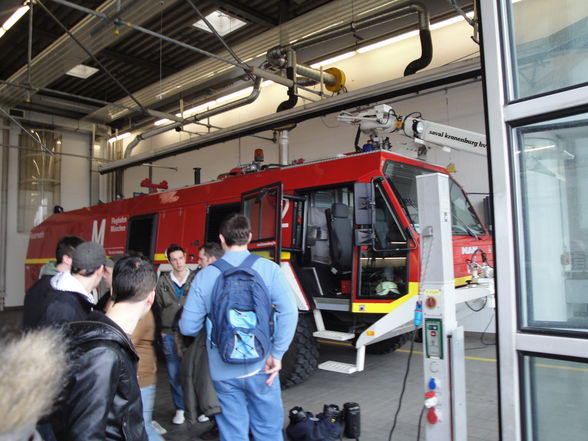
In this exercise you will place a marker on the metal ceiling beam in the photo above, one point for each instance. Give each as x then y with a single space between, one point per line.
429 79
52 63
129 59
246 13
125 58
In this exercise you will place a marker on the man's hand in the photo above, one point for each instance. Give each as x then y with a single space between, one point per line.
272 367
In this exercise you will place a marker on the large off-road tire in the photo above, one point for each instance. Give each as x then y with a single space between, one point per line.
386 346
301 359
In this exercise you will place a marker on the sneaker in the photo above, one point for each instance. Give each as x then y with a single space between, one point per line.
203 419
179 417
158 427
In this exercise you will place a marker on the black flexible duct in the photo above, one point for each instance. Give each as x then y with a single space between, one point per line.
426 54
292 97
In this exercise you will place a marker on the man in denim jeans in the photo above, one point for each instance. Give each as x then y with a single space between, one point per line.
249 394
172 289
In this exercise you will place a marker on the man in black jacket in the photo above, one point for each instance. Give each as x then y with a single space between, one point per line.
34 302
102 399
70 297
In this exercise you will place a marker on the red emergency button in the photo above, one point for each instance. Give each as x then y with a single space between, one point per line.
433 333
432 417
431 302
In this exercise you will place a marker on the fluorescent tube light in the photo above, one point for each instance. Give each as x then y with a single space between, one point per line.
237 94
333 60
16 16
388 41
119 137
410 34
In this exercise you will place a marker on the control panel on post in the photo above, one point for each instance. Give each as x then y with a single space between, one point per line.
434 338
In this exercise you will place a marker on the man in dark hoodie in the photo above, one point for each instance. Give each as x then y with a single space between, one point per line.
102 399
34 302
70 297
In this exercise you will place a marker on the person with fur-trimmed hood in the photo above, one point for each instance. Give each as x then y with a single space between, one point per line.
32 370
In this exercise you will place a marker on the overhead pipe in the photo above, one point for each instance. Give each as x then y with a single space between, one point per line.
397 9
333 79
278 55
193 119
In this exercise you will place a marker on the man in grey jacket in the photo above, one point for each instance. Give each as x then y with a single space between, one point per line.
170 293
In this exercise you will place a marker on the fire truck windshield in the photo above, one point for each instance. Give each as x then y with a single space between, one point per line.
402 179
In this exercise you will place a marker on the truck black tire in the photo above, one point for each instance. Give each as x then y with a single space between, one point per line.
386 346
301 359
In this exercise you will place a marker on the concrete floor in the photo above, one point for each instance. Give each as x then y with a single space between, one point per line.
377 390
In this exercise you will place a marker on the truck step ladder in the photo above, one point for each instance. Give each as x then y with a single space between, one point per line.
333 335
337 366
346 368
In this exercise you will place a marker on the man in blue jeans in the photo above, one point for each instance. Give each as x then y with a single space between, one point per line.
249 394
170 293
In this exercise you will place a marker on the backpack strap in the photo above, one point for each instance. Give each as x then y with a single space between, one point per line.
250 260
222 265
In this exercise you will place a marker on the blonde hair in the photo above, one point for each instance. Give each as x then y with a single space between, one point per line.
32 372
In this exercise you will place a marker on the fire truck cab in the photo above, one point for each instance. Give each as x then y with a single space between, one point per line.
345 232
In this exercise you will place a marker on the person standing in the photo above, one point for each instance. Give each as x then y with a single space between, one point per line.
172 289
70 297
102 398
249 394
143 339
34 301
200 397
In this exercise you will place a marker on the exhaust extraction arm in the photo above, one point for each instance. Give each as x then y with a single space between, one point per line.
426 41
280 56
209 113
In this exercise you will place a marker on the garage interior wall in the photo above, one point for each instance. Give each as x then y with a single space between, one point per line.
458 105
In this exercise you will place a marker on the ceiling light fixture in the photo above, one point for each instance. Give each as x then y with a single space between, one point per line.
16 16
221 22
119 137
82 71
333 59
410 34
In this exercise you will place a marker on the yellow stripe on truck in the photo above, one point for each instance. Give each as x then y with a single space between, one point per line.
384 308
42 261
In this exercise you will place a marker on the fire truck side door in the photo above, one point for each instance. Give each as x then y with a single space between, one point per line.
263 208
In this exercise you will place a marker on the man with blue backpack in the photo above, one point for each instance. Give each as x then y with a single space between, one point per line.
250 315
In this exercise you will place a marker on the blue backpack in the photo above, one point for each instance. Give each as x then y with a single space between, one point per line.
241 314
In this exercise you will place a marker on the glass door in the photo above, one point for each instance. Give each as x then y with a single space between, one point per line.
263 208
535 63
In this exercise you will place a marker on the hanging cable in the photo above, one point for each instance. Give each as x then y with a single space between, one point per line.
403 384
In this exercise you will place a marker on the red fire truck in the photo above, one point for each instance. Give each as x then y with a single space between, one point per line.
345 232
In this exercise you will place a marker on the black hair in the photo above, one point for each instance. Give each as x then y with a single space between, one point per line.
66 246
212 249
133 278
173 247
235 230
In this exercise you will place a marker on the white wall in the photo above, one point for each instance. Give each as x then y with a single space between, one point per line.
75 171
17 243
74 194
